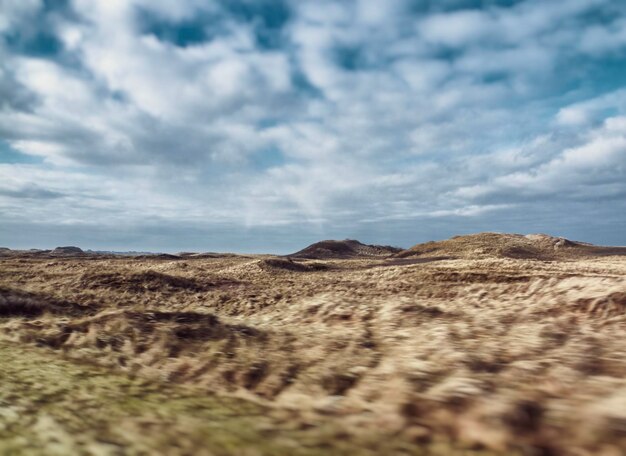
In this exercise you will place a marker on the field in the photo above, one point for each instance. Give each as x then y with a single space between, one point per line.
431 352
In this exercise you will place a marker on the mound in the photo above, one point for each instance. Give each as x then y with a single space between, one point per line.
16 303
532 246
290 265
142 282
205 255
188 326
68 250
163 336
344 249
158 256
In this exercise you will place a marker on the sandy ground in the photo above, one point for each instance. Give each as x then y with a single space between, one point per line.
495 355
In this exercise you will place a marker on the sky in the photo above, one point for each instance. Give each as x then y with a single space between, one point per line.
265 125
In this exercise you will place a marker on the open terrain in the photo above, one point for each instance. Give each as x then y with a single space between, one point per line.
483 344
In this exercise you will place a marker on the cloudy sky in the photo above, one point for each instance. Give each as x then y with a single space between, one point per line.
264 125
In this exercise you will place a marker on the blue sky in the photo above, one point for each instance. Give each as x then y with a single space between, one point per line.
265 125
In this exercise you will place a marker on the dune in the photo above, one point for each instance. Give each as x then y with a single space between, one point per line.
68 250
498 245
489 349
348 248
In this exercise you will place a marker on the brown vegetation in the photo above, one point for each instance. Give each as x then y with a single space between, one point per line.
489 245
500 353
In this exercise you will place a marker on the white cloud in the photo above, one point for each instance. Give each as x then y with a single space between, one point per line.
458 28
365 111
576 172
592 110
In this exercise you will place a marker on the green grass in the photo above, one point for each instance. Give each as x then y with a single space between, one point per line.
53 406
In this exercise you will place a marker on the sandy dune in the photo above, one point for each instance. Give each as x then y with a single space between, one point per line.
481 350
530 246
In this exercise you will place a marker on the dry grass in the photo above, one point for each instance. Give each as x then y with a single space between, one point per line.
532 246
497 353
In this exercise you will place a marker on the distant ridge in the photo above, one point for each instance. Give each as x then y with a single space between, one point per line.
348 248
531 246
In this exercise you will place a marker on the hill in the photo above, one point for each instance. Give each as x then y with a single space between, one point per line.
531 246
500 356
347 248
67 250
